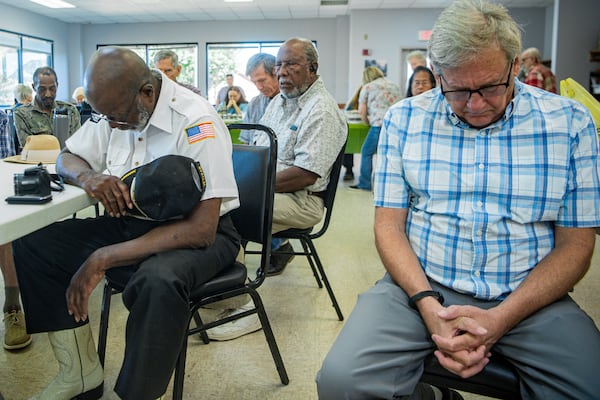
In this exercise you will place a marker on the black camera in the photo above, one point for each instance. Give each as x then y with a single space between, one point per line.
33 181
32 186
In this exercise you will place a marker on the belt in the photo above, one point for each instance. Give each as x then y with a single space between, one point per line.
318 194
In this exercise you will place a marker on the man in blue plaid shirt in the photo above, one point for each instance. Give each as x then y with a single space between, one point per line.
487 193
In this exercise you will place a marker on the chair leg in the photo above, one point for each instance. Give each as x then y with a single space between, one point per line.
334 302
104 314
180 371
203 335
266 326
309 256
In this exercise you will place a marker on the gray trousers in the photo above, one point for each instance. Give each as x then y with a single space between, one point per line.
380 351
157 295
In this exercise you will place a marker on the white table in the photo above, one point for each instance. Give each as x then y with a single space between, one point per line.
18 220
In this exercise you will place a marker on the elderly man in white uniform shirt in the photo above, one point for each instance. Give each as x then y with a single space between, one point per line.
146 116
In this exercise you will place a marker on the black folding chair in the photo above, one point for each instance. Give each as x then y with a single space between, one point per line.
307 236
254 168
499 379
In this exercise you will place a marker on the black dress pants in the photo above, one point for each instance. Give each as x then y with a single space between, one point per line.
157 294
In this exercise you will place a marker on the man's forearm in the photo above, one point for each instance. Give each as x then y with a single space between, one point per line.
293 179
553 277
395 251
72 168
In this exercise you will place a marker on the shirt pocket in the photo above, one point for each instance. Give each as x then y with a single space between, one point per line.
536 196
117 158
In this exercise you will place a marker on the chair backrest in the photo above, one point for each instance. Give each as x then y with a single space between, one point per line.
254 168
329 198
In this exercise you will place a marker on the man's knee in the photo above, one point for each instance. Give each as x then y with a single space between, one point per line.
333 380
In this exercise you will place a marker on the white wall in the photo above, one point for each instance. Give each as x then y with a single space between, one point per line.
577 32
398 29
328 33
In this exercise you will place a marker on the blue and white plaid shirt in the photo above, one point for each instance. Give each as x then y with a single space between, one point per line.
7 147
483 202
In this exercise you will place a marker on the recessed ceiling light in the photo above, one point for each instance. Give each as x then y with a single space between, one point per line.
334 2
238 1
53 3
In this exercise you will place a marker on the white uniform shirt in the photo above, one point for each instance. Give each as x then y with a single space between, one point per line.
182 123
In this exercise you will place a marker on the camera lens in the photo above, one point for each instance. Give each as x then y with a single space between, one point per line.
26 184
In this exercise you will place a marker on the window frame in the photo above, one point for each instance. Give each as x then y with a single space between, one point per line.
6 83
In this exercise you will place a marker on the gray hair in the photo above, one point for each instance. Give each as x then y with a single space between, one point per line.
310 52
532 52
264 59
21 91
418 54
466 28
164 54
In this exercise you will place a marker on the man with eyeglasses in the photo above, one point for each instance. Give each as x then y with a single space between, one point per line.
145 115
311 131
36 118
487 193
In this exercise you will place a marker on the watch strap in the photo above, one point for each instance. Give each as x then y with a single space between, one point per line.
412 301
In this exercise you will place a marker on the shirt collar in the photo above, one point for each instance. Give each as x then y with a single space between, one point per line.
304 97
161 116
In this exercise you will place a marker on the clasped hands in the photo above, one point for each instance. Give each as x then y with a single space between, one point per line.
464 336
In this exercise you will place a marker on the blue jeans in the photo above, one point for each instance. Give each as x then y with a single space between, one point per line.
369 148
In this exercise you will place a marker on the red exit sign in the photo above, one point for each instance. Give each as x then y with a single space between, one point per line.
424 35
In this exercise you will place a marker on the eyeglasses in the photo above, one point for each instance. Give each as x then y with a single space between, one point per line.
95 117
485 91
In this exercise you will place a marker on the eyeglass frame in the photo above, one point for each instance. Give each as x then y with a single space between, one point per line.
478 90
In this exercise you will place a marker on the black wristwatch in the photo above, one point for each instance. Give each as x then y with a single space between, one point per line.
412 302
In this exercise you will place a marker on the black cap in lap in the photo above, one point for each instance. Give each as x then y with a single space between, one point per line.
166 188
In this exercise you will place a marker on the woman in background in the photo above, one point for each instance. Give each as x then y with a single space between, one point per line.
376 96
236 103
420 81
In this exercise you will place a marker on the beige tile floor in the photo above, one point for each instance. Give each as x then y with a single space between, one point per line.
303 321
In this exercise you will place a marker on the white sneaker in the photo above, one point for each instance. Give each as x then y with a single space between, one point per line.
235 329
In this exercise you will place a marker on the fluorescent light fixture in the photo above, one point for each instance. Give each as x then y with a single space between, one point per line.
238 1
53 3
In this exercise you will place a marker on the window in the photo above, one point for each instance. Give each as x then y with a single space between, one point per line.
187 53
231 58
20 55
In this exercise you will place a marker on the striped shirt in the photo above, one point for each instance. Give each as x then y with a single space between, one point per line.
7 147
483 202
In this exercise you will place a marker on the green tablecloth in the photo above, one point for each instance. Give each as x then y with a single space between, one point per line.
357 132
235 133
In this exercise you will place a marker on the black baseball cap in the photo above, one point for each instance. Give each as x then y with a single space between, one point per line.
166 188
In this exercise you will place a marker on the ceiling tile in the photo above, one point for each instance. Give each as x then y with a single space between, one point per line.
123 11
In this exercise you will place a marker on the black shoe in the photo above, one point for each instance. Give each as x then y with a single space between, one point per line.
280 261
349 176
358 188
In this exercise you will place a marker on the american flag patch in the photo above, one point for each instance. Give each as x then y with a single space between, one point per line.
201 131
